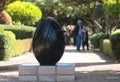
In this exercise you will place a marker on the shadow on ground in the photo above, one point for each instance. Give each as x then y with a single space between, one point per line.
9 68
97 76
11 78
93 64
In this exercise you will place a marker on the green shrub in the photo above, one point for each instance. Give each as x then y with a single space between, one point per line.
115 41
9 46
105 36
95 39
27 43
101 45
21 32
1 30
107 48
24 13
17 48
21 46
6 39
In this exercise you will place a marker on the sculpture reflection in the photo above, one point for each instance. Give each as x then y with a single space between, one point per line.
48 42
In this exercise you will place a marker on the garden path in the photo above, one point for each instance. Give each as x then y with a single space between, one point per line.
90 66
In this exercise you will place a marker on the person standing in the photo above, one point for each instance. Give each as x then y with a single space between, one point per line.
78 34
67 35
85 39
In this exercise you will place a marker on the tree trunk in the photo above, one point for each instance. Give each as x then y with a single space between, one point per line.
106 21
5 18
117 18
92 17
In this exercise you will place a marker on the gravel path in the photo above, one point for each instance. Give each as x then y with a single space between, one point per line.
90 66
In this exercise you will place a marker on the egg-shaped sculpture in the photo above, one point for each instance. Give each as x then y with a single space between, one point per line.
48 42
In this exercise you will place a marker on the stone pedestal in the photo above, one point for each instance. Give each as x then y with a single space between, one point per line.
62 72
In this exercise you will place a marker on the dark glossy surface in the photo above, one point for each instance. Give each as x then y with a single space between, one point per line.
48 42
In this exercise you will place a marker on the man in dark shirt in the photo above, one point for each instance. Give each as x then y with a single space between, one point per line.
78 32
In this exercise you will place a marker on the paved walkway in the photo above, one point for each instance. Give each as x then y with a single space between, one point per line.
90 66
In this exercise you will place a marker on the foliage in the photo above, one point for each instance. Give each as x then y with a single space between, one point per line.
4 3
1 30
98 11
21 32
68 11
24 13
10 47
21 46
6 39
4 16
27 44
16 48
95 39
64 13
115 42
103 36
112 7
107 48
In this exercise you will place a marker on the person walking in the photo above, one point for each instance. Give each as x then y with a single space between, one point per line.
78 34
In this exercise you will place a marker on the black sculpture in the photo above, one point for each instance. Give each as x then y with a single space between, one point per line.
48 42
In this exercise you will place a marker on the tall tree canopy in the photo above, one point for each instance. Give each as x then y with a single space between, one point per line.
67 11
113 9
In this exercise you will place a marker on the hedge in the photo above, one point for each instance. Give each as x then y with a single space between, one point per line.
108 44
21 46
9 46
96 39
107 48
21 32
6 39
115 42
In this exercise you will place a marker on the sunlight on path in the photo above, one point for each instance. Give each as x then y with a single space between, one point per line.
72 56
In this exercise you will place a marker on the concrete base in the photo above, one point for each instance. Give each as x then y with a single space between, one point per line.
62 72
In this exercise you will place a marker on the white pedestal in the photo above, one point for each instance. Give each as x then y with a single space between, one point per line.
62 72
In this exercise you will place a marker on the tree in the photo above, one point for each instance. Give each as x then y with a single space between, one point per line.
85 9
64 14
24 13
4 16
113 9
89 7
4 3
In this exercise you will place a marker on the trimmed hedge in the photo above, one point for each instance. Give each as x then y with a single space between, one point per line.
6 39
21 46
96 39
21 32
9 46
17 48
107 48
108 44
115 41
